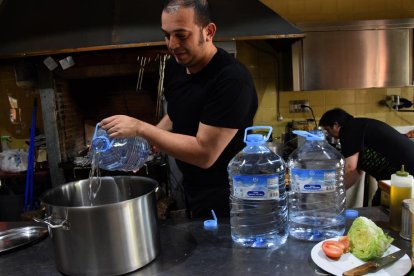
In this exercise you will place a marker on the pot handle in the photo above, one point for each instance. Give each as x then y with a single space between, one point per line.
64 224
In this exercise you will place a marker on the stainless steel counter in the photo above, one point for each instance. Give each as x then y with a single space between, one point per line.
188 249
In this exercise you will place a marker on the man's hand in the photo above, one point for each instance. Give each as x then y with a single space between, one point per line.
410 134
121 126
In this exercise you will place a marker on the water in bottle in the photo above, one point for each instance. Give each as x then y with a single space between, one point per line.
317 193
258 200
114 154
118 154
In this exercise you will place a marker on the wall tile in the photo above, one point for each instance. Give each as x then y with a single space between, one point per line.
328 7
407 92
268 100
342 97
319 111
393 91
362 96
350 108
316 99
297 7
407 5
393 5
269 116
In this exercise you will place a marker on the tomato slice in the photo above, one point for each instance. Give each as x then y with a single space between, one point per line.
332 249
344 240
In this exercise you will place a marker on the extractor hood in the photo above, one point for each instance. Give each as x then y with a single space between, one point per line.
355 54
42 27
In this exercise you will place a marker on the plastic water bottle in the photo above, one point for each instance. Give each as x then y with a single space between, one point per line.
317 193
258 200
118 154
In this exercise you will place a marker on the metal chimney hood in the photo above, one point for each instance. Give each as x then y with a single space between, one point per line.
43 27
356 54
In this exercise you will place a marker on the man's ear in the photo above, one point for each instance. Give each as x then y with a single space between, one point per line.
210 30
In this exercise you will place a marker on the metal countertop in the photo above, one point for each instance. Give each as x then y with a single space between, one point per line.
188 249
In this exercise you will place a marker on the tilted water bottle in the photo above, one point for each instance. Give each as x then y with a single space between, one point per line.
317 193
258 200
118 154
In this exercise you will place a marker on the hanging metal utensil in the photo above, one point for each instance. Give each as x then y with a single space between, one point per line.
145 62
139 76
158 111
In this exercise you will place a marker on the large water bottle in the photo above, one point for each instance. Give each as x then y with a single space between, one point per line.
317 193
118 154
258 200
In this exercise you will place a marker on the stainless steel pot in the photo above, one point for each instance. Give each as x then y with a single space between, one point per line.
115 233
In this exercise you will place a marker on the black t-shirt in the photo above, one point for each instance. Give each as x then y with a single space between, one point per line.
382 149
222 94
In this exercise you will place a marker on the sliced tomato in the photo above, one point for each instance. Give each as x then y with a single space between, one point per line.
344 240
332 249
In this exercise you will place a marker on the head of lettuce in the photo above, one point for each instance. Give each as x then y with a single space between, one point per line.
367 241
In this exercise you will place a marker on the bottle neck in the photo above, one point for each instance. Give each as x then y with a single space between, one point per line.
101 144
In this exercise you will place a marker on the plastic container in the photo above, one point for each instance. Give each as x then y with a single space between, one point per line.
317 196
405 232
211 224
401 186
350 216
118 154
258 200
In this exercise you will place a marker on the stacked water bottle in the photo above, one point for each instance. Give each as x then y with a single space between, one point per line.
263 215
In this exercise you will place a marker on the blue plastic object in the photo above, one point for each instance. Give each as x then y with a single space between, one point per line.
28 195
211 223
101 142
256 139
315 136
351 214
118 154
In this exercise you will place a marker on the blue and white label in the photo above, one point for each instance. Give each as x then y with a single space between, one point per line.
312 181
260 187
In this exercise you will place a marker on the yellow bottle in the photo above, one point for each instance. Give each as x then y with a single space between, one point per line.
401 186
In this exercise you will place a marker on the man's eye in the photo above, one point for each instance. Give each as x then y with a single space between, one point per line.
181 36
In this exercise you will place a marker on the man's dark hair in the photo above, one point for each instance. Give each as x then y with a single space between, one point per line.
201 8
336 115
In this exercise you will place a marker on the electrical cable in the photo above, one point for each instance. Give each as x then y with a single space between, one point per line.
313 115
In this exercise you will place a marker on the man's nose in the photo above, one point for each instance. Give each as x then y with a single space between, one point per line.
172 43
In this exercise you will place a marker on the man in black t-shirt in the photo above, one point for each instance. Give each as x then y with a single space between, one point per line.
368 145
211 100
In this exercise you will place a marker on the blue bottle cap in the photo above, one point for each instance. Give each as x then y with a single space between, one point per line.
351 214
211 223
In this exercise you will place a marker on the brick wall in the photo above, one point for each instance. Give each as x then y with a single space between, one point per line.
81 103
70 122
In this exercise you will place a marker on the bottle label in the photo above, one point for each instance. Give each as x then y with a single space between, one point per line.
312 181
260 187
